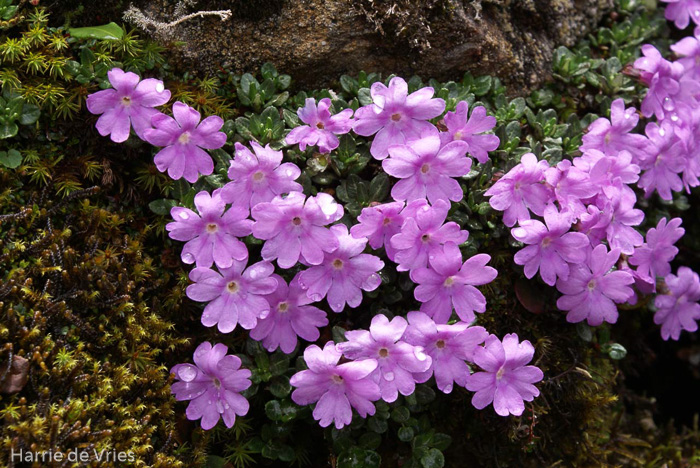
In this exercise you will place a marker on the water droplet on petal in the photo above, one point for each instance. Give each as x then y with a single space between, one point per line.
290 173
187 372
674 117
253 274
184 215
389 376
264 314
662 132
448 388
668 104
627 116
188 258
419 354
160 87
219 406
227 406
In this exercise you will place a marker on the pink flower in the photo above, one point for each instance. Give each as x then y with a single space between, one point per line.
426 170
322 127
258 178
397 360
653 258
294 228
335 389
614 135
572 186
396 116
344 273
507 380
449 282
521 190
234 296
679 310
131 102
290 316
664 162
550 247
449 346
682 11
423 233
212 234
183 138
214 385
467 130
592 290
378 224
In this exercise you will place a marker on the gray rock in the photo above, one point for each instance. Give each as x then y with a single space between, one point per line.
316 41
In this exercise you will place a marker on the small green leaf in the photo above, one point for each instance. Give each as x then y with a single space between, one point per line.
162 207
358 458
30 114
109 32
12 159
405 434
8 130
215 462
433 459
617 351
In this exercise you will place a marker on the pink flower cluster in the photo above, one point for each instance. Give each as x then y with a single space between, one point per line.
264 200
392 356
586 240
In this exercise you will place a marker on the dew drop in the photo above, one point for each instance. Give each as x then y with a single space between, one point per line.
188 258
662 132
419 354
448 389
184 215
627 116
389 376
187 372
160 87
674 117
264 314
219 406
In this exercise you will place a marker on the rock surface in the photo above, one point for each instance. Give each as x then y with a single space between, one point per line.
316 41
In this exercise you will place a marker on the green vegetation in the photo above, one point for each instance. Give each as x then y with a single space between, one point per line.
92 305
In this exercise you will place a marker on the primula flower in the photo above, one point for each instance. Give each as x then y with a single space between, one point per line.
612 136
397 360
335 389
507 380
258 178
183 138
290 316
614 220
234 296
214 385
294 228
667 84
378 224
344 273
664 162
131 102
592 289
604 171
679 310
449 282
550 246
322 127
449 346
521 190
396 116
426 170
212 234
467 130
682 11
422 235
653 258
688 51
572 186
